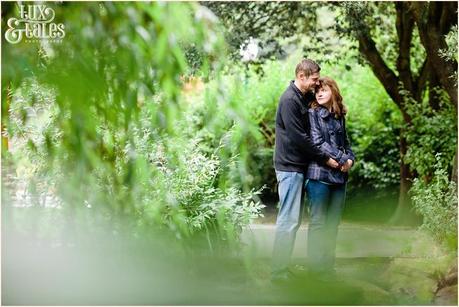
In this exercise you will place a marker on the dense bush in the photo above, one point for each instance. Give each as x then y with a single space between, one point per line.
183 190
432 138
99 125
436 201
248 131
430 133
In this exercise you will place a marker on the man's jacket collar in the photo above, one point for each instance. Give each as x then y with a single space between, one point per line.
305 98
296 90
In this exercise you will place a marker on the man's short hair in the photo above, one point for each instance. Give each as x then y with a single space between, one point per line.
308 67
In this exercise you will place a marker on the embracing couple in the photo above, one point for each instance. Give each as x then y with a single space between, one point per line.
313 155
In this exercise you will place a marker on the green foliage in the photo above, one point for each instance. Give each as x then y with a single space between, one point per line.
451 40
32 120
436 201
116 117
248 130
450 53
281 28
431 133
101 120
103 124
432 140
183 193
166 191
268 22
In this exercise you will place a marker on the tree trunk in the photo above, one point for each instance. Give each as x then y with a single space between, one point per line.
404 214
434 20
390 81
454 171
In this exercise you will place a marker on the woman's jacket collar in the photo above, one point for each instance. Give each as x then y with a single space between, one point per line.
323 112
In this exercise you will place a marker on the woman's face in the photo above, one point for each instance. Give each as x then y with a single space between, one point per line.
323 95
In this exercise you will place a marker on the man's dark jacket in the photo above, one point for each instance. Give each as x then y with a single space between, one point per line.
294 148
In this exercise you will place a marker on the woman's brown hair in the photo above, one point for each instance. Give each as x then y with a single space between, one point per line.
337 105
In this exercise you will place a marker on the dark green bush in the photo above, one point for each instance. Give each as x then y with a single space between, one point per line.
432 139
431 132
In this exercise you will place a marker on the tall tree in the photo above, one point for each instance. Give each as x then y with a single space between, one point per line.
400 41
267 22
433 21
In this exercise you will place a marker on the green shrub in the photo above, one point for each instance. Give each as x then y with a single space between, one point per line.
101 122
436 201
184 189
247 132
430 133
432 144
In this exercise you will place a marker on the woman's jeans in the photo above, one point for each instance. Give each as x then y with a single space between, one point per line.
291 194
326 203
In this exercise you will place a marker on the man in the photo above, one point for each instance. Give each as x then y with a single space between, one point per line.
293 152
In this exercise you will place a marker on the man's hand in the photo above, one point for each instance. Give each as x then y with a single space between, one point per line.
332 163
347 166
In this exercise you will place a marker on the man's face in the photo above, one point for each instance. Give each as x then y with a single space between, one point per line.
310 82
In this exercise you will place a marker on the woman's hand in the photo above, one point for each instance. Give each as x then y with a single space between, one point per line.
347 166
332 163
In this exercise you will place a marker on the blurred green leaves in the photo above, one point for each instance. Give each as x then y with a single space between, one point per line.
113 139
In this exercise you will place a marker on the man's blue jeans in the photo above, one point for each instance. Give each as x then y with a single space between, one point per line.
291 194
326 203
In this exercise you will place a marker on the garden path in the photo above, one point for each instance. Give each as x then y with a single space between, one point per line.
388 265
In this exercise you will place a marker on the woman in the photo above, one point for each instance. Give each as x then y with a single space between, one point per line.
326 187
